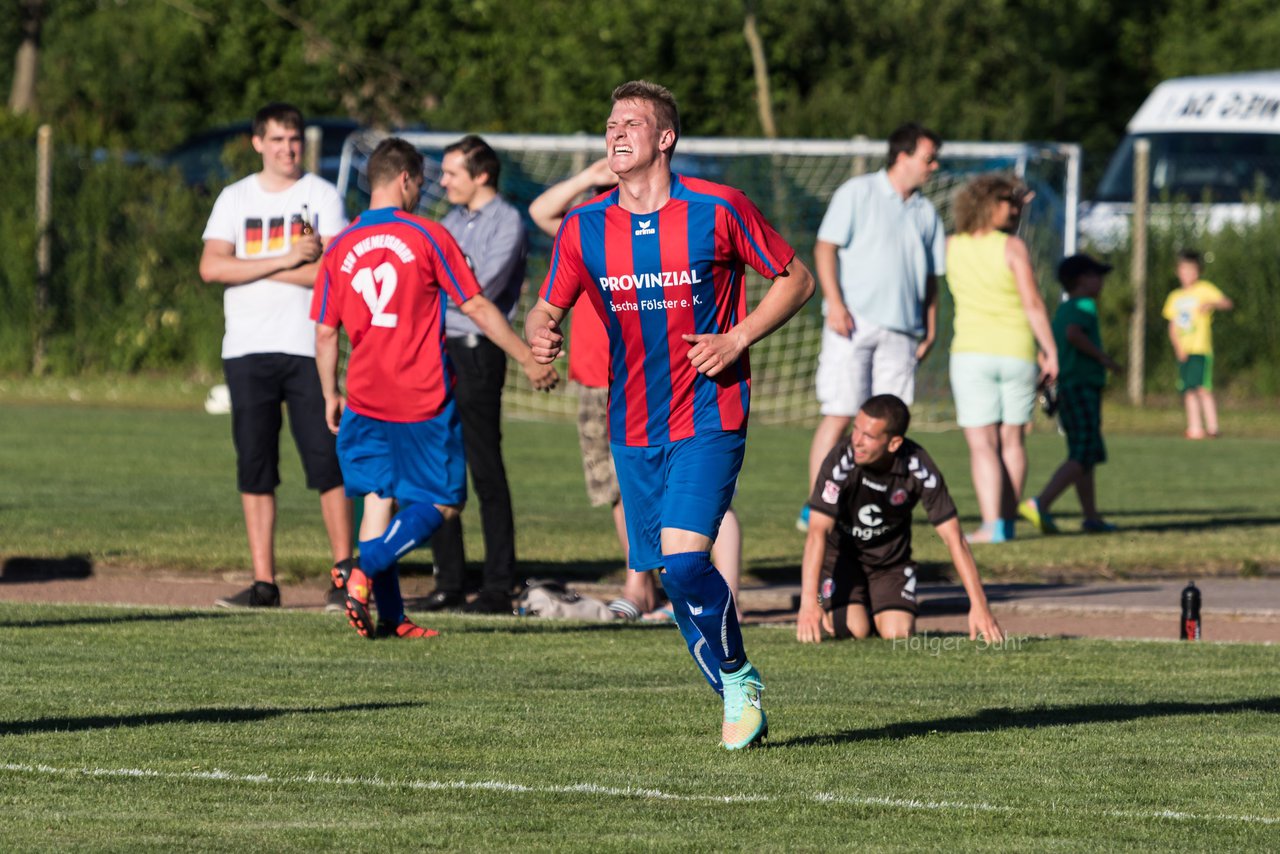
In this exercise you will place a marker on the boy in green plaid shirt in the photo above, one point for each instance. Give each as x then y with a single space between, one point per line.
1082 374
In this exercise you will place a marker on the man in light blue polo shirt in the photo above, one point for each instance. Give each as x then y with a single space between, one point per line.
880 249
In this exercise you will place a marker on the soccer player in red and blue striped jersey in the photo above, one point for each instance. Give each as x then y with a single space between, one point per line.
662 259
385 279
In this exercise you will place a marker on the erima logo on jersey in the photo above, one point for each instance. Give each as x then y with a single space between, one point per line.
644 228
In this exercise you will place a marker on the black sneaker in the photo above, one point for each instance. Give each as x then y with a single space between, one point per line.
443 600
490 602
261 594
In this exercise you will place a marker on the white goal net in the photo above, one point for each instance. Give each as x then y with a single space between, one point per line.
791 181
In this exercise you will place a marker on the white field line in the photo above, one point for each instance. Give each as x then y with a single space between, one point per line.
608 791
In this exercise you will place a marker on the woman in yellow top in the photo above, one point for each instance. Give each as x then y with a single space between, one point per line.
1000 318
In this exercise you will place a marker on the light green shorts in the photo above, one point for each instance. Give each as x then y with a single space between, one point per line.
992 389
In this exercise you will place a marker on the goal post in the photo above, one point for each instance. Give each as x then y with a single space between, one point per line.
791 181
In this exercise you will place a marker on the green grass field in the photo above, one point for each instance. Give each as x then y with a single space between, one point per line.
153 485
125 729
203 730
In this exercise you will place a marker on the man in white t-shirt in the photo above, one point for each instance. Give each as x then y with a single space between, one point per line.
263 242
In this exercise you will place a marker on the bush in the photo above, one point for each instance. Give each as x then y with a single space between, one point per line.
124 292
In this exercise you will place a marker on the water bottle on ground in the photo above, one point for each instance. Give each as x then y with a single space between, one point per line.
1191 612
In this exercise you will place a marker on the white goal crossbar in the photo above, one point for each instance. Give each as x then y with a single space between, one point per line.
791 181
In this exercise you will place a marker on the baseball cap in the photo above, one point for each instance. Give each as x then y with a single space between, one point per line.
1077 265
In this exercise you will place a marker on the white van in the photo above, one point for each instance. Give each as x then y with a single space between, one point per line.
1215 142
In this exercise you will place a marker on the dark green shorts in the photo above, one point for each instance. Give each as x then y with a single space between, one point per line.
1080 411
1196 372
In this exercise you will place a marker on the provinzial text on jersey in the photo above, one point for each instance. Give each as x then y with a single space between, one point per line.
377 241
639 281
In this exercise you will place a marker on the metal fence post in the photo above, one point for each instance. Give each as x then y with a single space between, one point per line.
579 160
859 165
314 138
44 173
1138 270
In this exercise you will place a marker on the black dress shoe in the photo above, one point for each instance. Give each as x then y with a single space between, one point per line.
489 602
443 600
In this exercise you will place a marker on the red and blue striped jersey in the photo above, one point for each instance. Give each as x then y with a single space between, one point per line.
381 280
657 276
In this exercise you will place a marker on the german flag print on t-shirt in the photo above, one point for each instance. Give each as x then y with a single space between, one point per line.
275 234
252 236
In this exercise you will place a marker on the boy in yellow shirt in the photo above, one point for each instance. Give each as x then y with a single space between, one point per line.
1189 311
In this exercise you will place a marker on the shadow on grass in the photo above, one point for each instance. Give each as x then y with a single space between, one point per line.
993 720
788 571
1163 511
20 570
1205 523
1166 511
189 716
539 625
106 619
568 570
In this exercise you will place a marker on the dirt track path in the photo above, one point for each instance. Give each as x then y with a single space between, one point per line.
1113 611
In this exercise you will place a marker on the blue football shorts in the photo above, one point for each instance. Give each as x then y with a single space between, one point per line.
409 461
688 484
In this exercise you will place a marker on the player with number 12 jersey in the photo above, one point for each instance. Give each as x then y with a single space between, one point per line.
384 280
399 435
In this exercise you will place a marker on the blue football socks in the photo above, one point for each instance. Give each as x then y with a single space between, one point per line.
708 665
704 611
386 596
410 528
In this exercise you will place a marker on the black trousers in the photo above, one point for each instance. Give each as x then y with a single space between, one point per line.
481 371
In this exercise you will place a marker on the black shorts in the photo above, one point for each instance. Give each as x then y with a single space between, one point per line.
259 383
845 581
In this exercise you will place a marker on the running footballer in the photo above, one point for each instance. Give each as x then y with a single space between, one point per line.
662 259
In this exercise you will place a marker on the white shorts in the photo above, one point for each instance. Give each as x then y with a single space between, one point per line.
992 389
874 360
